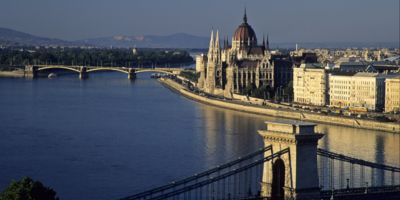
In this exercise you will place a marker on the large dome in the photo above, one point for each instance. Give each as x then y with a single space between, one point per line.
244 33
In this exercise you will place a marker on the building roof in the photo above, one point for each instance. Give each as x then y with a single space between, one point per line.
259 50
357 74
247 63
364 74
312 65
342 73
391 59
352 63
393 79
244 32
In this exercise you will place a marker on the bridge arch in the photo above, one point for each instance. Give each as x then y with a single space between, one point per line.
154 70
58 67
108 69
278 180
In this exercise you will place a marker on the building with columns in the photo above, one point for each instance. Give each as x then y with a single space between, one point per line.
231 68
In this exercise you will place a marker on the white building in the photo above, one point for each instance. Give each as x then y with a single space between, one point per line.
392 94
309 84
200 61
357 90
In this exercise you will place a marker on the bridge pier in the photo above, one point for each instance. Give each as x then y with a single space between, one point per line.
30 71
294 175
83 74
131 74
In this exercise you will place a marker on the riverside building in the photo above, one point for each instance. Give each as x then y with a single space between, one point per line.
310 84
357 90
392 94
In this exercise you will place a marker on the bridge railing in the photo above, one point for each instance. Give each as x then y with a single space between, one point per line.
338 172
238 178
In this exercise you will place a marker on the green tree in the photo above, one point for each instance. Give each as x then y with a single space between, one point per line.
248 90
191 75
288 91
28 189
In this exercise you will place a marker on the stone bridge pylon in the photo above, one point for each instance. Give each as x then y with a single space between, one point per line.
293 175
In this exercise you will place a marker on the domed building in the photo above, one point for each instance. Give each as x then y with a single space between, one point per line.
237 67
244 35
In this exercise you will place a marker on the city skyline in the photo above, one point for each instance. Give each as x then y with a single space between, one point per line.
287 21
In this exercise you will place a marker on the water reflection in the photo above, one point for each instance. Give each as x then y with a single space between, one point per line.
221 124
229 134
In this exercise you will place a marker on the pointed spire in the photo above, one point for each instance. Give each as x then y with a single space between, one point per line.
217 41
245 16
267 42
211 41
263 41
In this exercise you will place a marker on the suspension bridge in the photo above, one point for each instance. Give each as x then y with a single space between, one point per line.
290 166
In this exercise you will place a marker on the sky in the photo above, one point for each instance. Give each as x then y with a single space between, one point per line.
282 20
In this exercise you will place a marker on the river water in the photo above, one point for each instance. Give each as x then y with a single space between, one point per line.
108 137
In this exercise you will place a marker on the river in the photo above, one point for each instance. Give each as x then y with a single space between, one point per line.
107 137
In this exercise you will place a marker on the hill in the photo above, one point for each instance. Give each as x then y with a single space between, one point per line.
179 40
9 37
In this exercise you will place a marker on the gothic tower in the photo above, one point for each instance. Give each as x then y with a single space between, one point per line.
214 60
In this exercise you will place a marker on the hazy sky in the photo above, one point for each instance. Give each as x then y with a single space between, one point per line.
283 20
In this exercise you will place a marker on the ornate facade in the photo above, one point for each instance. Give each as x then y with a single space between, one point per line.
233 68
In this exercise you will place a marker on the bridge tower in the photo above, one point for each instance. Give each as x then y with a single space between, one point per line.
294 175
83 74
30 71
131 74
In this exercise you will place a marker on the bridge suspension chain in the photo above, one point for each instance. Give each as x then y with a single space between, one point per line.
358 174
234 173
206 174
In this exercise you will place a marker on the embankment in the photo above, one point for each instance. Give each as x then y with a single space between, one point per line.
12 74
290 114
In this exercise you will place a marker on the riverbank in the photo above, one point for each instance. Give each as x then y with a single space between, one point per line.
290 114
13 74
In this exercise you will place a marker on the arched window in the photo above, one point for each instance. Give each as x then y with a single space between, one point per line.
278 180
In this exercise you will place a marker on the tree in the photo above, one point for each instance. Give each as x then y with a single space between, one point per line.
28 189
191 75
248 90
288 91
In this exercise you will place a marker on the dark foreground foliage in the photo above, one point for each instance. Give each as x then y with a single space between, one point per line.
28 189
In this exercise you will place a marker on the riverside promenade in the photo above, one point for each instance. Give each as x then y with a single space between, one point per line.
282 112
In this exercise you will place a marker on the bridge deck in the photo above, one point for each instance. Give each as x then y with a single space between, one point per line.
384 192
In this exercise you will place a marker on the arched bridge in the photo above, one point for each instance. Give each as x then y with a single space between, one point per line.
32 71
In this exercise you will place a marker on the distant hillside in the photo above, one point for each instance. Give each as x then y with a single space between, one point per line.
179 40
335 45
11 37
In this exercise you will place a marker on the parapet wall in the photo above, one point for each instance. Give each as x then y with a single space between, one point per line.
296 115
